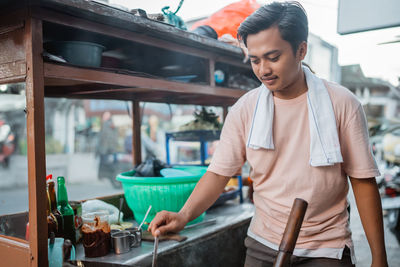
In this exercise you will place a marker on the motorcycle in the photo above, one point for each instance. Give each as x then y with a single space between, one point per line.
390 192
7 143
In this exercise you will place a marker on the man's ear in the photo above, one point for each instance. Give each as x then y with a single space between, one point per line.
302 50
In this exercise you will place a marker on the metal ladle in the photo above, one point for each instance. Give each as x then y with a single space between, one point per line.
154 262
144 219
121 202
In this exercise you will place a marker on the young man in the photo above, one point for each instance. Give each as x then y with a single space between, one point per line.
303 137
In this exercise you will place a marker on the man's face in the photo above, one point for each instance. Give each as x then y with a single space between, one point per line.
274 62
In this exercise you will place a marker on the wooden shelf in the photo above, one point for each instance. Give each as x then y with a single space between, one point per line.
76 82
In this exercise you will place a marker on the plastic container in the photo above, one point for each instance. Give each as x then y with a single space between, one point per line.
55 252
163 193
78 53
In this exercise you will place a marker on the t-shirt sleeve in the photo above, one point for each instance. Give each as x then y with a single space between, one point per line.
358 160
230 152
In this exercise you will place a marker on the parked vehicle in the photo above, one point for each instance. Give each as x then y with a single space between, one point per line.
390 192
377 133
391 146
114 164
7 143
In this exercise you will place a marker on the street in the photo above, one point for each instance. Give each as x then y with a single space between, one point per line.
362 251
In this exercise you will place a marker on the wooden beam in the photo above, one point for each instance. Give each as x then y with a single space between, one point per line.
14 252
136 134
210 72
142 95
36 142
102 77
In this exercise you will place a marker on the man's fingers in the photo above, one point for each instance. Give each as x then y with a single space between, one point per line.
162 230
160 219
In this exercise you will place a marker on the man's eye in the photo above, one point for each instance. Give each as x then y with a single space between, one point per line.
254 61
274 59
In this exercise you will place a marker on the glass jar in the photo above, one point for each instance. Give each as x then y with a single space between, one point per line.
96 234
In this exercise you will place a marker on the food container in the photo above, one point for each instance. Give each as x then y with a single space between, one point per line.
84 54
163 193
96 235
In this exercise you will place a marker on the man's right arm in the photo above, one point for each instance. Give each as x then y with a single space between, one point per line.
203 196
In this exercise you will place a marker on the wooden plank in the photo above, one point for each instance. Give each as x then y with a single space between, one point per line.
12 47
14 252
12 71
136 134
139 94
12 53
95 76
36 143
153 97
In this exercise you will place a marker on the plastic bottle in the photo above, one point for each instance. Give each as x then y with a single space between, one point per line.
51 193
66 210
219 76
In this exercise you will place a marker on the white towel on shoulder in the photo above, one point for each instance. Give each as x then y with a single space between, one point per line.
324 143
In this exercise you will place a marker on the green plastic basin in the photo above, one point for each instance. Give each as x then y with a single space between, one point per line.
162 193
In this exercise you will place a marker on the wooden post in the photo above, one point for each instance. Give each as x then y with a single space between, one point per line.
291 233
136 134
210 72
36 142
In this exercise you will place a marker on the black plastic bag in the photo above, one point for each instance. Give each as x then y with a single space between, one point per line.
150 168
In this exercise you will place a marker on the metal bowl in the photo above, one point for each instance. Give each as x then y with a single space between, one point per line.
77 53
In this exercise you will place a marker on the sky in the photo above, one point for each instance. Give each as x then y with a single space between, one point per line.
379 61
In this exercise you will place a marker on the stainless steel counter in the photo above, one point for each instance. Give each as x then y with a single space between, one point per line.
219 244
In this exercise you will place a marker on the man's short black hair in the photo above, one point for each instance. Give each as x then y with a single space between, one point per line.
289 17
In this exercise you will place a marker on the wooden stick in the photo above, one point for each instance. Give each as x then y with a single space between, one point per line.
291 233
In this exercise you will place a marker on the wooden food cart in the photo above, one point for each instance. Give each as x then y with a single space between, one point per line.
149 46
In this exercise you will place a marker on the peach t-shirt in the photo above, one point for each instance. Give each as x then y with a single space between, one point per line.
283 174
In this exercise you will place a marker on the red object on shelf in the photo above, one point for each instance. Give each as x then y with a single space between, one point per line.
228 19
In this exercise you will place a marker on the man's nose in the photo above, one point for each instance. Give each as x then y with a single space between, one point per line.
265 68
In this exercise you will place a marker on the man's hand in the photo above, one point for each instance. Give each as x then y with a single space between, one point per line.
203 196
166 221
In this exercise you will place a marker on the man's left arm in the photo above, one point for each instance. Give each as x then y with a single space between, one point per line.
370 209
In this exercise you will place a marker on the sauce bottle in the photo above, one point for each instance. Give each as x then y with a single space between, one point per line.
51 194
66 210
52 225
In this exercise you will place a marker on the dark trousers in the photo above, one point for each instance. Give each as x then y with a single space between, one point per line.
258 255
